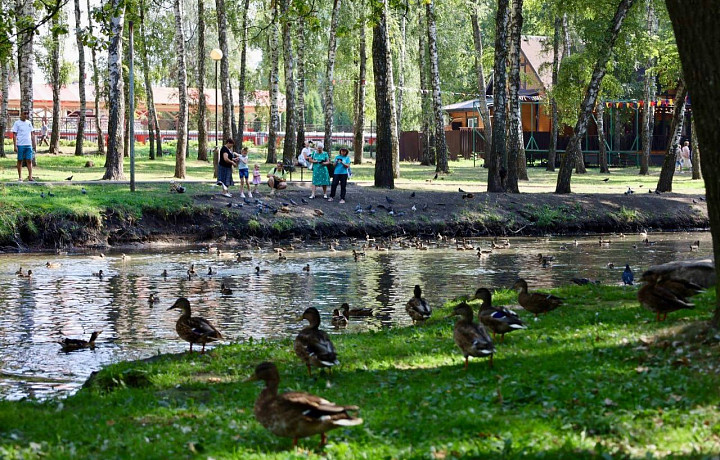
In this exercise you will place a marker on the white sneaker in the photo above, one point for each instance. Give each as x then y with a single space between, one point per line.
325 196
227 195
312 197
242 195
249 195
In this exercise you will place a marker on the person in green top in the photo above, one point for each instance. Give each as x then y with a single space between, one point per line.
320 173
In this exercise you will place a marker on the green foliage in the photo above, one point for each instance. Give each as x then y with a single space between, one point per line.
254 226
282 225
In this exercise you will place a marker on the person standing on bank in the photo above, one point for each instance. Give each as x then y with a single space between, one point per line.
320 161
225 166
340 175
244 172
44 133
687 162
24 143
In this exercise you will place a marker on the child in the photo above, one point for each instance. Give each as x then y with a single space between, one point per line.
243 171
256 177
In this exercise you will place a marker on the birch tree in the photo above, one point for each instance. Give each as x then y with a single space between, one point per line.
567 50
202 101
4 93
25 12
80 137
696 171
497 164
648 121
401 66
676 125
55 28
300 106
394 141
289 146
182 119
552 151
441 153
600 122
243 75
480 71
383 114
428 153
359 107
330 76
591 94
116 99
274 84
96 84
515 124
224 68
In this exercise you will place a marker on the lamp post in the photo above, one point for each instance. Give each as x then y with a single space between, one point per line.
216 55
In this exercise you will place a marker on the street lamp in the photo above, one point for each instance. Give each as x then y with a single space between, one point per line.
216 55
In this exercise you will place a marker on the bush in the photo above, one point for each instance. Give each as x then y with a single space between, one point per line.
248 144
369 148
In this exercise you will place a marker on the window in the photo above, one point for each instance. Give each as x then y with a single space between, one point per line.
472 122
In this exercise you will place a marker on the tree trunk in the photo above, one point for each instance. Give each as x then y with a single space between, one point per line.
697 36
552 151
96 86
330 78
428 152
25 10
394 141
55 82
128 116
289 146
648 122
401 70
153 128
668 168
359 109
233 126
441 153
567 50
480 71
182 119
696 171
4 94
498 162
591 94
202 101
81 80
116 100
300 106
241 81
383 154
515 142
274 85
224 68
600 123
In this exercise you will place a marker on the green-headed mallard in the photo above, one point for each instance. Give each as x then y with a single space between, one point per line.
348 312
339 320
194 329
417 307
76 344
312 345
224 290
295 414
536 302
499 320
470 337
665 295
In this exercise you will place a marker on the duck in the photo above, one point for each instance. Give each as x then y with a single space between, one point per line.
153 299
499 320
603 242
472 338
610 265
224 290
695 246
191 271
357 254
417 307
76 344
27 275
52 265
210 271
257 270
584 281
643 234
535 302
98 274
663 297
125 258
339 320
295 414
164 273
542 258
649 243
306 268
194 329
19 271
627 276
314 346
281 256
348 312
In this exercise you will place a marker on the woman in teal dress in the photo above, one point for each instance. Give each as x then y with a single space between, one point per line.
320 160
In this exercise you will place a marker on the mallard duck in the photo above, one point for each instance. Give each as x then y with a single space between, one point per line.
76 344
348 312
417 307
19 271
257 270
27 275
194 329
627 275
584 281
224 290
125 258
164 273
357 254
499 320
542 258
296 415
52 265
470 337
603 242
535 302
339 320
281 256
306 268
312 345
695 246
662 298
210 271
98 274
153 299
191 271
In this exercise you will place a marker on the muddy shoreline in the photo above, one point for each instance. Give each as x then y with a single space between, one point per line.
369 211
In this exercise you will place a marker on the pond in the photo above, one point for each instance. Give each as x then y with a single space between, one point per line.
68 301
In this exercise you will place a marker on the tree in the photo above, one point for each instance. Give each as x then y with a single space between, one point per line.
394 141
600 123
515 122
56 28
668 168
480 71
182 119
116 101
243 76
289 145
300 106
153 126
80 137
401 69
648 122
498 162
697 35
274 84
202 101
25 13
591 93
552 150
428 154
224 68
96 83
329 76
4 94
441 154
567 51
383 154
696 173
359 107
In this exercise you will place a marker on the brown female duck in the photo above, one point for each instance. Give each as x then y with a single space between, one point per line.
194 329
662 295
295 414
76 344
499 320
339 320
417 307
312 345
470 337
348 312
536 302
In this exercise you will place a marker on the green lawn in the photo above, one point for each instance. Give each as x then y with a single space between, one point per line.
579 383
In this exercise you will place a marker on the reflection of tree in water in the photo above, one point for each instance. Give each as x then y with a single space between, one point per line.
386 279
26 309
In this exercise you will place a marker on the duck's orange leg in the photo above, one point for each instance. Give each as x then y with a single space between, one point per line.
466 363
323 439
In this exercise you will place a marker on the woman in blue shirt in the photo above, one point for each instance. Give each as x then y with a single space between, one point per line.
342 165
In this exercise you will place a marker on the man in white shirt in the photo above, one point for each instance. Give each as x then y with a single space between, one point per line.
24 143
305 154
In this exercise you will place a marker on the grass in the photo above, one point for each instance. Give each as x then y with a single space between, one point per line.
579 383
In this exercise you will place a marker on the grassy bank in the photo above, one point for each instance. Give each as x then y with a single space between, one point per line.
585 381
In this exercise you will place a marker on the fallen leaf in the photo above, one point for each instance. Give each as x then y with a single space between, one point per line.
609 402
